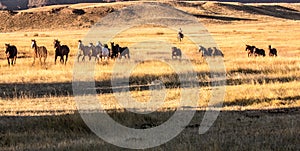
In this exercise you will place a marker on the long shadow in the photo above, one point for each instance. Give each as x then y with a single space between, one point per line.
276 128
60 89
247 102
223 18
267 10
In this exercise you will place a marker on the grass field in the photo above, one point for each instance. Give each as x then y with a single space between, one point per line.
261 103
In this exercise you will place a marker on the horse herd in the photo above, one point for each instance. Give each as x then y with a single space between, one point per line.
62 51
40 52
101 52
254 51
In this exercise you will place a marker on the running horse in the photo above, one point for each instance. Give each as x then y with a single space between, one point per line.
250 50
39 52
83 51
61 50
123 52
11 54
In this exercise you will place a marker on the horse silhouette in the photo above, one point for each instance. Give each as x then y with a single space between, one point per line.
61 50
272 51
39 52
11 54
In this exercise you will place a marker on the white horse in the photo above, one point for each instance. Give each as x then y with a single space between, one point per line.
105 52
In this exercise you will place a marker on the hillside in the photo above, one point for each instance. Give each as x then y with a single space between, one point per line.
84 15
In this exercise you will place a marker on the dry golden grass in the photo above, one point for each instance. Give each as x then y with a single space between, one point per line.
260 109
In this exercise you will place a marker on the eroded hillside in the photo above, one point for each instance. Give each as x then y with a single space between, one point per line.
79 16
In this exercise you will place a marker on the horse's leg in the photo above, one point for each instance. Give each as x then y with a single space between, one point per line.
15 59
79 55
62 59
41 61
55 59
8 61
33 60
66 59
45 60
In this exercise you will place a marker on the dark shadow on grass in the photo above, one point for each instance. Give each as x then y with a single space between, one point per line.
223 18
267 10
136 83
276 128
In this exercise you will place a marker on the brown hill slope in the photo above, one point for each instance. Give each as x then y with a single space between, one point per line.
85 15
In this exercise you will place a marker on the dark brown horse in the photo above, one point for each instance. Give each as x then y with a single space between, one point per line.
250 50
259 52
11 54
39 52
272 51
61 50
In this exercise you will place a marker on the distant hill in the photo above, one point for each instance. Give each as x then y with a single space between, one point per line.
24 4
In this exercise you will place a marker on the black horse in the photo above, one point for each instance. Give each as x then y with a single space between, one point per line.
250 50
176 53
61 50
259 52
123 52
11 54
272 51
114 50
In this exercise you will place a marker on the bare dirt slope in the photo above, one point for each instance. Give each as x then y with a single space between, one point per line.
79 16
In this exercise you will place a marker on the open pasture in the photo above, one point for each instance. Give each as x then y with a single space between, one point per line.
261 102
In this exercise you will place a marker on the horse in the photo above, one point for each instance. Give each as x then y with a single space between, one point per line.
39 52
259 52
97 51
114 50
83 51
272 51
61 50
123 52
11 54
180 36
176 52
217 52
204 51
250 50
105 52
210 52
